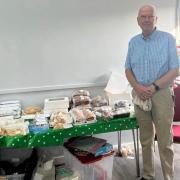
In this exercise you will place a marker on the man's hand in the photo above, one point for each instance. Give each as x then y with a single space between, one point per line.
144 92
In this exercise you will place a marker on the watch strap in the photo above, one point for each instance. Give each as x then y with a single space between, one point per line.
156 86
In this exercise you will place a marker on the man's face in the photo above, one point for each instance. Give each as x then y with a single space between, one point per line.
147 19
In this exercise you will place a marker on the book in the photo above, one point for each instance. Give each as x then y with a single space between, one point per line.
62 171
87 143
104 149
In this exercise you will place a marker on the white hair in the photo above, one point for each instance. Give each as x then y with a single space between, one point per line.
153 7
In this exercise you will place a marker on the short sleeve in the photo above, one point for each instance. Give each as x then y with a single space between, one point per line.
173 56
128 58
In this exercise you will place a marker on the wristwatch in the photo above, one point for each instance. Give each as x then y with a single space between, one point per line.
157 88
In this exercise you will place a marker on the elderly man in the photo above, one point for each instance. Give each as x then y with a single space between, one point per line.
151 66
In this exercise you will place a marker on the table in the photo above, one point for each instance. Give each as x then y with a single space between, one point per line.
57 137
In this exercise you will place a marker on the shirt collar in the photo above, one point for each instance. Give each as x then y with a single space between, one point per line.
150 36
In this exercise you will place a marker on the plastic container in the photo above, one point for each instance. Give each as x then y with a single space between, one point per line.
99 170
113 98
38 128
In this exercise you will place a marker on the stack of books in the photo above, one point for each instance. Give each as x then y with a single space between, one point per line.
88 147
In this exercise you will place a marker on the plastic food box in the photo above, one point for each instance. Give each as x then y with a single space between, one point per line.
112 98
38 128
100 169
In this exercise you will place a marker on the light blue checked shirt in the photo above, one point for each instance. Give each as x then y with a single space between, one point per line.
152 57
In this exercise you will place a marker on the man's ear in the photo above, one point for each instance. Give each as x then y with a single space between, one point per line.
156 19
138 20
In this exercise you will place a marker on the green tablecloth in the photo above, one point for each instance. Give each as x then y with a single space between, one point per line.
56 137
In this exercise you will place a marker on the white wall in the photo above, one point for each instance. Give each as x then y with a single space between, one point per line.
62 44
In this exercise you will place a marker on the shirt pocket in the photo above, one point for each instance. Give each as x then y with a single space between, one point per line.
158 55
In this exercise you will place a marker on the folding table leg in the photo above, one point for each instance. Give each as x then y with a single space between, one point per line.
136 150
119 143
137 135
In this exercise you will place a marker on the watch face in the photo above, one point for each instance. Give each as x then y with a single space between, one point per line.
156 87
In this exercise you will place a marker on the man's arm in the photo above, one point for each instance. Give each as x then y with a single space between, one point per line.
130 77
144 92
167 78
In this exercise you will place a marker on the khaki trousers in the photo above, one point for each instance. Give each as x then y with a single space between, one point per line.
158 120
